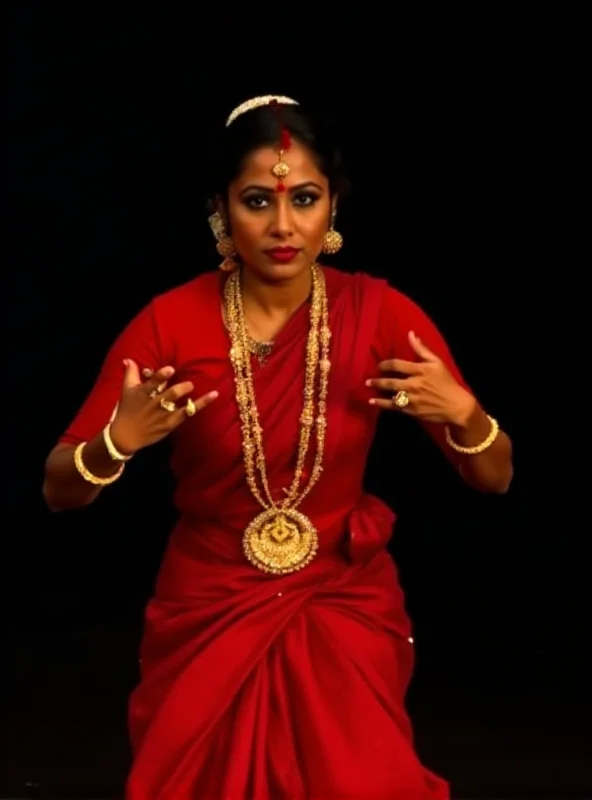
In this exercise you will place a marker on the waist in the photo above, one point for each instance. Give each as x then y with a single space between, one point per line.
201 547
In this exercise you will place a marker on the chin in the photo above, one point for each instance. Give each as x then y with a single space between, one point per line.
275 271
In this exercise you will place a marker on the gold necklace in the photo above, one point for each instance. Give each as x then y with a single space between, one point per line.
261 350
281 539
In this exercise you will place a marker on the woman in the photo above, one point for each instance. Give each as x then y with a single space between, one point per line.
277 651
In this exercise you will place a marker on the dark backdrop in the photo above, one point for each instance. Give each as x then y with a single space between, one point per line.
109 113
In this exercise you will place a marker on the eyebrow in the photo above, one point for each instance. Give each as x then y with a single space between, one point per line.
270 189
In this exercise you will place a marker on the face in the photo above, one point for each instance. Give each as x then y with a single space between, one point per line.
279 234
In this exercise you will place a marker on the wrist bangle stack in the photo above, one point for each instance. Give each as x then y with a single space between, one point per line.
87 475
112 450
478 448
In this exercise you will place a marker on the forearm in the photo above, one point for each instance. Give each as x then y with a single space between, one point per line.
491 470
64 488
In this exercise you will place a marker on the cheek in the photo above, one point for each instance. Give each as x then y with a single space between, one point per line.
314 226
313 221
247 229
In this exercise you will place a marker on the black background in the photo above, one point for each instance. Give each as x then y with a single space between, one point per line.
109 113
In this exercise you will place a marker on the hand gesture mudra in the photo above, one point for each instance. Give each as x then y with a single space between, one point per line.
149 410
424 389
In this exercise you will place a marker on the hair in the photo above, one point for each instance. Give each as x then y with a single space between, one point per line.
260 128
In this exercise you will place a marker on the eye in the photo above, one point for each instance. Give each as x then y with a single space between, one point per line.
257 201
305 198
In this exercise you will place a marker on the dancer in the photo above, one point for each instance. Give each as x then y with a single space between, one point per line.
277 651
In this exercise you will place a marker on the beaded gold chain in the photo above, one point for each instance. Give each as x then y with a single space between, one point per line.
281 539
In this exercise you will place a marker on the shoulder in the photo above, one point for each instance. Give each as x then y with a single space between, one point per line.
392 305
398 306
199 289
338 279
186 319
399 315
393 300
196 299
359 290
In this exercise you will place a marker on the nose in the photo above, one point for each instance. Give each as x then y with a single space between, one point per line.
282 226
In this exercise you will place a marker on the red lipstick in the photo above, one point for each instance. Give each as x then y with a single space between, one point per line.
283 255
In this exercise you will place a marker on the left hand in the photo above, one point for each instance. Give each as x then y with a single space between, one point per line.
434 395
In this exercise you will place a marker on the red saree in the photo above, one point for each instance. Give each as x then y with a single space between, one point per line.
257 687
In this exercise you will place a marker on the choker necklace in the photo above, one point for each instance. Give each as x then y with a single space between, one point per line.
261 350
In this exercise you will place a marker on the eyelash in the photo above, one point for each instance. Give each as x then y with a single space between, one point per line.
312 199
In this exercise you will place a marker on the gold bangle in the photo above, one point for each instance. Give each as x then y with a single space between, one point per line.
88 476
478 448
113 451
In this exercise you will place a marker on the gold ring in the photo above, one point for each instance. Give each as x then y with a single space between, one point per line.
401 399
158 390
190 408
168 405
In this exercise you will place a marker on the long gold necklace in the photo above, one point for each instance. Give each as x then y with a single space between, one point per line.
281 539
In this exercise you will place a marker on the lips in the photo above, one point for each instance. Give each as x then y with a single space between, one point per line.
283 254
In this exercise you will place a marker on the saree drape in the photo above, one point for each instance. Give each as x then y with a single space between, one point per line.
256 687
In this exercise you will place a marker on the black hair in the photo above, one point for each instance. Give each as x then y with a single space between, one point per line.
259 128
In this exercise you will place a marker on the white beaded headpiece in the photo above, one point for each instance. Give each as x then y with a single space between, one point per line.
257 102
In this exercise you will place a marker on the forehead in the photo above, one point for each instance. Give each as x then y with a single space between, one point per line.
258 165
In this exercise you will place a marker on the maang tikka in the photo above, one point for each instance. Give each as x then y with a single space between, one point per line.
281 170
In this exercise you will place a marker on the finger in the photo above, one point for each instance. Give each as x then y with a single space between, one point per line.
114 412
401 366
148 373
131 376
176 392
180 415
158 379
388 405
391 385
419 347
205 400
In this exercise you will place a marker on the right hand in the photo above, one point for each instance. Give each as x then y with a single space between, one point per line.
140 419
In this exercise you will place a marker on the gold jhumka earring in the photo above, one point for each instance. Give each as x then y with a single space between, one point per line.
333 240
224 244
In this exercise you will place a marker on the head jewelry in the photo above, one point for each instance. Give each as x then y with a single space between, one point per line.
280 170
258 102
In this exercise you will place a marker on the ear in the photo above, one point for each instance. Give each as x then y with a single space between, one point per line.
220 208
334 200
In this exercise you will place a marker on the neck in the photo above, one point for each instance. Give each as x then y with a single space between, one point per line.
277 298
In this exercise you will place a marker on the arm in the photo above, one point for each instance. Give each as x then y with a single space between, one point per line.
491 470
63 486
441 397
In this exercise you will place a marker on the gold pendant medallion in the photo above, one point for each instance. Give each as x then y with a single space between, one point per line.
280 541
